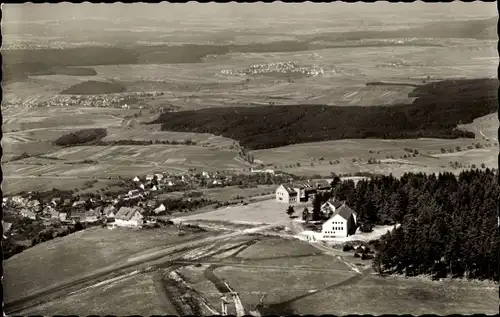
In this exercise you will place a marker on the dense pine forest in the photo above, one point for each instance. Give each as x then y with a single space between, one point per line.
449 225
435 113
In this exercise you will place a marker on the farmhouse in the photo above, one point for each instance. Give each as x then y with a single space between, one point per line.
129 217
342 224
149 177
136 179
92 215
159 177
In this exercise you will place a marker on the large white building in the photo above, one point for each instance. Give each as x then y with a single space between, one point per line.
286 194
299 192
341 224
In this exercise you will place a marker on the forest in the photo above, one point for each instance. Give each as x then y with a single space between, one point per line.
435 113
93 87
81 137
449 224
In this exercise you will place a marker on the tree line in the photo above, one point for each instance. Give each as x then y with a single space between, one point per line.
449 224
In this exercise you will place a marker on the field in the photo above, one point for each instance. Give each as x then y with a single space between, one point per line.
63 259
202 85
228 193
33 130
262 212
294 277
429 160
378 296
137 295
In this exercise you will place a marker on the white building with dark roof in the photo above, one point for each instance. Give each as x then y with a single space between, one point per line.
341 224
286 194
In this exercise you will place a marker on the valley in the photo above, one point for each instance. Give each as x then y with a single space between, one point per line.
144 159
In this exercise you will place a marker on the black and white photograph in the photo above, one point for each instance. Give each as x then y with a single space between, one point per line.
250 159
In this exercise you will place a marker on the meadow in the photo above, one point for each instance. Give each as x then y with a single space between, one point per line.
353 155
227 193
262 212
393 295
138 295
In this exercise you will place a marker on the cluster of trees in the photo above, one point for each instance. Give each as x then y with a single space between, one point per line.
449 224
22 156
81 137
143 142
435 113
54 232
33 231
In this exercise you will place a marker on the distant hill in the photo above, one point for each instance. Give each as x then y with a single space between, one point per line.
92 87
22 63
473 29
435 113
21 70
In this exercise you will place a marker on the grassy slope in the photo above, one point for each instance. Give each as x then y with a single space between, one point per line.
378 296
435 113
136 295
58 260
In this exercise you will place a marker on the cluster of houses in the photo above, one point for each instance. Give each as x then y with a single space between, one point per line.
158 181
95 210
83 211
339 219
276 67
111 101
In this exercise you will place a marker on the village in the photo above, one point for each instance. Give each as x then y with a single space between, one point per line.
278 67
141 203
136 100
